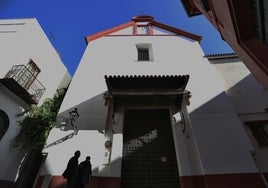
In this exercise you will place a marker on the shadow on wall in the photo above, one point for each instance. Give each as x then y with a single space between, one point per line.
92 116
245 95
221 137
69 136
248 95
92 112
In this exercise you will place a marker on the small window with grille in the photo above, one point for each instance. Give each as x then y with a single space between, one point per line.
260 132
144 52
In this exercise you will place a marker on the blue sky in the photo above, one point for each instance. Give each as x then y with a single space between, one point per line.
68 22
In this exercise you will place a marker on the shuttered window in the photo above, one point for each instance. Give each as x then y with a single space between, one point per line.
259 12
204 4
260 132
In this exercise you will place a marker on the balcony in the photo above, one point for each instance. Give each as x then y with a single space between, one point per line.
22 82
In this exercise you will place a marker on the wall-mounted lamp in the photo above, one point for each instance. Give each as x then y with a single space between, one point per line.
73 115
179 118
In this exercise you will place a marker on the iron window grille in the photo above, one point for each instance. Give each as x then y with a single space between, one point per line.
260 132
143 54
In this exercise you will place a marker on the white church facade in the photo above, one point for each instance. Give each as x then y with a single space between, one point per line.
152 111
30 71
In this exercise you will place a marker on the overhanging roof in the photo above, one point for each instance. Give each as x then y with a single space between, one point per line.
146 90
140 83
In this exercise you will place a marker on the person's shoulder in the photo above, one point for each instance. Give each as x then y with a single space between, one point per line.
83 163
72 158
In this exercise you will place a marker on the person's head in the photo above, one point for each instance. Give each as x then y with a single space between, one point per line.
87 158
77 153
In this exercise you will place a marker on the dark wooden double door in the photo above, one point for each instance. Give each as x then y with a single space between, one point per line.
149 159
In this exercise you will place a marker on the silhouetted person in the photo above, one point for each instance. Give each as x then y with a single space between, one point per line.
84 173
71 170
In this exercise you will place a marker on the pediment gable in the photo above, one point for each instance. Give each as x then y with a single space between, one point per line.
144 26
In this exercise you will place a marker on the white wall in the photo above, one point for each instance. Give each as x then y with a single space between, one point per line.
244 91
9 158
20 41
24 39
216 135
248 98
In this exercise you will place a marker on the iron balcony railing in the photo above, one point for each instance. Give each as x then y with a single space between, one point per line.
27 79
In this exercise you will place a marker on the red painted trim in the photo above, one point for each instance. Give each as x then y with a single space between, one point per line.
257 50
142 18
151 31
150 24
57 182
108 31
245 180
108 182
240 11
96 182
135 28
177 31
141 35
193 182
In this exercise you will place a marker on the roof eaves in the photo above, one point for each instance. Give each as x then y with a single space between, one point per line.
177 31
108 31
221 56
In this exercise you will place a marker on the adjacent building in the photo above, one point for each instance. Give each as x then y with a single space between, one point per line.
152 111
250 102
31 71
243 25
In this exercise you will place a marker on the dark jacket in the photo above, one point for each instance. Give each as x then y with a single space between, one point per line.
71 168
84 171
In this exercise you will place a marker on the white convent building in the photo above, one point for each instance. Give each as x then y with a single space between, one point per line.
152 111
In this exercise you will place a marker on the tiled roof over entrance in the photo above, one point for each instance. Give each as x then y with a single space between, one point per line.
147 83
146 90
